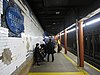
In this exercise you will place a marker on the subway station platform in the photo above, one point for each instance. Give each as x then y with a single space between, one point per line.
63 65
73 24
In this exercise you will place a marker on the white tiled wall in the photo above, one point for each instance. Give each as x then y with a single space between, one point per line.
33 32
1 6
3 39
3 44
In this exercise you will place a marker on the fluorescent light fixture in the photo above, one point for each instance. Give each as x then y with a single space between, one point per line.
71 30
62 31
92 22
62 34
57 12
54 23
71 26
86 24
92 14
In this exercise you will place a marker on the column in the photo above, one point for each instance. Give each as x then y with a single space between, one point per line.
81 45
60 38
65 41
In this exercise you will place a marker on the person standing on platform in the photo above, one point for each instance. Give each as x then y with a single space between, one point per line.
59 46
37 54
50 50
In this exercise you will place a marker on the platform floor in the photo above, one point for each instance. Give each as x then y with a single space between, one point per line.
87 67
63 65
60 64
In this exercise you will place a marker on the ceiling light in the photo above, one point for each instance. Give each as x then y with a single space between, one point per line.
71 30
57 12
54 23
71 26
62 34
93 21
86 24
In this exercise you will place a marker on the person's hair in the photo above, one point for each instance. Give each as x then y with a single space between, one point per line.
37 44
50 40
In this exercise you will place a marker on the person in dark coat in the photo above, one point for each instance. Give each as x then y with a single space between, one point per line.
37 54
42 51
50 50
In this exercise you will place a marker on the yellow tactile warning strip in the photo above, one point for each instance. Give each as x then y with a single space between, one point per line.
81 71
57 73
93 67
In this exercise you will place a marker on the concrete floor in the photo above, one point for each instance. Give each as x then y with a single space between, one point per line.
87 67
63 65
60 64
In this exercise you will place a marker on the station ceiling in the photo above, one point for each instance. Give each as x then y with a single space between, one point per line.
56 15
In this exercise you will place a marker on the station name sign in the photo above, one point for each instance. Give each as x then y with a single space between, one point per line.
14 20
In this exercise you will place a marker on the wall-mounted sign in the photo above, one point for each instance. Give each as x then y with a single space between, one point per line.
14 20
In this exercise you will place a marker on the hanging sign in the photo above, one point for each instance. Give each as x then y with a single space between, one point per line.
15 20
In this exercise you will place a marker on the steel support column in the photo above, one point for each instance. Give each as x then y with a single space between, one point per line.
77 40
81 45
65 41
60 38
93 44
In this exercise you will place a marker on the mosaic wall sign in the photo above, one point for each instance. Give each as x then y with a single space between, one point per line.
12 18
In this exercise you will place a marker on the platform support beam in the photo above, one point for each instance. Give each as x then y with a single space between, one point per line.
60 38
65 41
81 45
